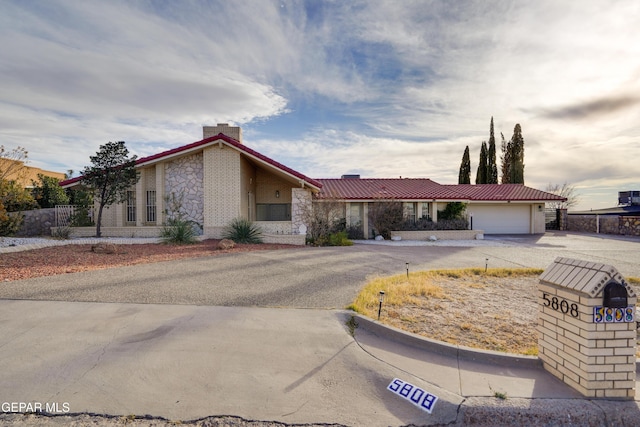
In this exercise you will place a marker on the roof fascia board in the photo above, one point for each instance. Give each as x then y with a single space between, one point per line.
175 155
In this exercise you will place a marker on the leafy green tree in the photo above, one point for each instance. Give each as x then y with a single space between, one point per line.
453 210
492 168
13 199
82 200
481 174
516 154
112 173
464 176
48 193
13 196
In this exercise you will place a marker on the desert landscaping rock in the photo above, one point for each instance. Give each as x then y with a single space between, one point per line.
104 248
226 244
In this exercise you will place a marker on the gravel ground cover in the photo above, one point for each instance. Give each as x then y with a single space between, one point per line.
74 256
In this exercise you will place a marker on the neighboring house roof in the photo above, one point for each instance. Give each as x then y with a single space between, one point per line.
24 174
631 210
426 189
218 139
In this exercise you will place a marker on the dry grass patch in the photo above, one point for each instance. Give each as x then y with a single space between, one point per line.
493 310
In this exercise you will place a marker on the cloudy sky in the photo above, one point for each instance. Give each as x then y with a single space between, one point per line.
381 88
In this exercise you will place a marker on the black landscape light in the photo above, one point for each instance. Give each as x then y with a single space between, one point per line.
407 264
486 264
381 299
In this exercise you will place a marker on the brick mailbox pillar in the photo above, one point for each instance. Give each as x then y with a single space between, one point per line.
586 328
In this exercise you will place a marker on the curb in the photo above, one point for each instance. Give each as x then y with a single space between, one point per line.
445 349
451 350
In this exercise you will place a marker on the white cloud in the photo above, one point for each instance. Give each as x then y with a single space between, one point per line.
404 86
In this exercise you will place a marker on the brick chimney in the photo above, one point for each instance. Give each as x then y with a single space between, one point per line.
234 132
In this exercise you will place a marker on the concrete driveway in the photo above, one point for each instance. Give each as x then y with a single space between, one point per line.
312 277
156 339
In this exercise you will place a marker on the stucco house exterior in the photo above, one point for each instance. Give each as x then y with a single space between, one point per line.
492 208
218 179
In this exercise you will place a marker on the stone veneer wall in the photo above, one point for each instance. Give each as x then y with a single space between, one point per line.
300 206
608 224
38 222
184 178
630 225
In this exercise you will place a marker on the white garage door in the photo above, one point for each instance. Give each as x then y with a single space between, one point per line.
501 219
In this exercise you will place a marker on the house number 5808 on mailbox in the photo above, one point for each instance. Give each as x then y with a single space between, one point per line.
560 304
613 315
615 307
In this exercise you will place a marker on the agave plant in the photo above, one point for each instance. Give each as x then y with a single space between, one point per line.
242 230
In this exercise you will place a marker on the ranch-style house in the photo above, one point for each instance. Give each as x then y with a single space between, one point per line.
219 178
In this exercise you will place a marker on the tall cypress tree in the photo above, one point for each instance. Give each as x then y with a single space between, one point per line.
505 159
481 175
517 156
492 168
464 176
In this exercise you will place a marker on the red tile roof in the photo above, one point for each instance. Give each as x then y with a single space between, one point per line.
504 192
383 188
426 189
210 141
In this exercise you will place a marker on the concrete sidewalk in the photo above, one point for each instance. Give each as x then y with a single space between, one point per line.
497 389
287 365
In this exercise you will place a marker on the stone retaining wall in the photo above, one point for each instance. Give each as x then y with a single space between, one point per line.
37 222
630 225
439 234
605 224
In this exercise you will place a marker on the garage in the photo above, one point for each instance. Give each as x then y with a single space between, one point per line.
501 218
